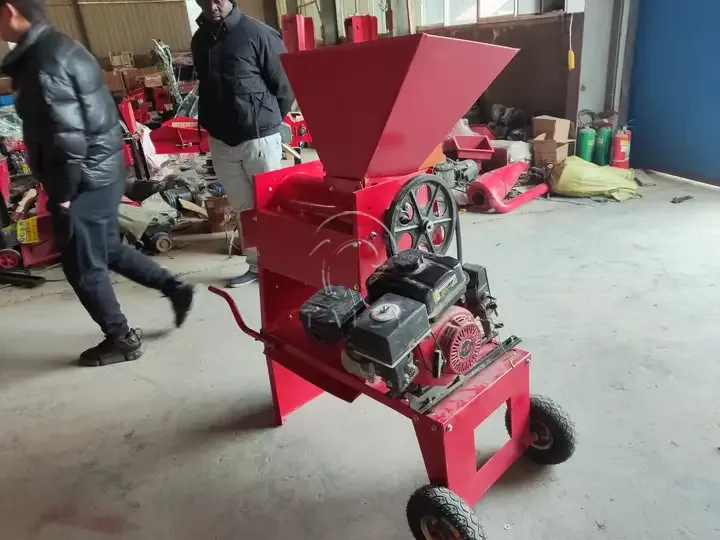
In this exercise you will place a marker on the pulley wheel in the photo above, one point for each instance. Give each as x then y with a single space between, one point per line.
422 216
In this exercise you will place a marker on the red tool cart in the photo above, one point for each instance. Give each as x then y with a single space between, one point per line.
347 311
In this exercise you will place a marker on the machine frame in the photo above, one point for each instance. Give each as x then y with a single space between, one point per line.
326 223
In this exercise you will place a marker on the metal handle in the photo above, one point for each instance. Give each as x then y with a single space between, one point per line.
238 318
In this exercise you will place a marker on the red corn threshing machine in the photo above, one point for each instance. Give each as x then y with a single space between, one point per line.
357 293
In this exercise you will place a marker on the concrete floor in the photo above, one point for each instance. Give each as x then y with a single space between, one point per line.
619 304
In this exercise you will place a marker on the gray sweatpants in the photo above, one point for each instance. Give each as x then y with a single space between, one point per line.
236 167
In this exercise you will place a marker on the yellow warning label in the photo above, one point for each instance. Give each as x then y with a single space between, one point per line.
27 231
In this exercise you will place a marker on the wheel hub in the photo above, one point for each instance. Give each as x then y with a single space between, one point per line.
438 529
542 435
8 259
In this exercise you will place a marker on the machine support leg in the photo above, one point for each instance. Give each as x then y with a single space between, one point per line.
448 448
289 391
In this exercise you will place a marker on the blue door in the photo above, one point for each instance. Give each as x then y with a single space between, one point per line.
675 92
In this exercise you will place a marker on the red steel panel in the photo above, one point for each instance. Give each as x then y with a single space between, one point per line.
379 108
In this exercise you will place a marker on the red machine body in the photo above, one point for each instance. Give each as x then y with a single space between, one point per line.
359 28
621 149
298 33
323 222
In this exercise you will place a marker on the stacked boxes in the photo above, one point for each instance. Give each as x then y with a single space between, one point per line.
551 139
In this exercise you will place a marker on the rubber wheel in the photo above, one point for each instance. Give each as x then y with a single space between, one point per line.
161 242
554 432
436 513
9 259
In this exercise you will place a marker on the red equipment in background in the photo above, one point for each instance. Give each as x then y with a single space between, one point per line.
298 33
488 192
324 230
359 28
162 100
36 241
299 134
4 179
621 149
180 135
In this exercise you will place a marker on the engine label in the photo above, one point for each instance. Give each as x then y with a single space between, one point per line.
442 291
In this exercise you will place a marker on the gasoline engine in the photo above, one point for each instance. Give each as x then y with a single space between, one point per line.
426 320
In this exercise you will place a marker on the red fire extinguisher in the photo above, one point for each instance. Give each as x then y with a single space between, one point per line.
621 149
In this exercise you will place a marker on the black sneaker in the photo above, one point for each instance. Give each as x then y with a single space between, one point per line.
182 302
247 278
114 351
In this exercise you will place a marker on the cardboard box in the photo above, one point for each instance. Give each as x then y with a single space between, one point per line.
120 60
114 81
556 129
547 152
130 76
5 86
155 80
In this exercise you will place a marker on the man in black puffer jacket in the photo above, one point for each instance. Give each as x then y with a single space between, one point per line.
244 95
74 141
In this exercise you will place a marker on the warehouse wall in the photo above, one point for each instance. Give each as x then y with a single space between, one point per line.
538 79
596 54
254 8
123 25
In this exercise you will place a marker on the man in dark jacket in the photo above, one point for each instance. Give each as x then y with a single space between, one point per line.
244 95
74 141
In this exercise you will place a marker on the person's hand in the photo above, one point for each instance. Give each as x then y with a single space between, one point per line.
66 204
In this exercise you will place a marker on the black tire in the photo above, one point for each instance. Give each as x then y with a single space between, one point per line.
553 429
436 513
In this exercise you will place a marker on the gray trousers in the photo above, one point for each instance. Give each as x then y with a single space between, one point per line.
236 167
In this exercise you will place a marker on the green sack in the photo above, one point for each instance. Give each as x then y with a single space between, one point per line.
576 177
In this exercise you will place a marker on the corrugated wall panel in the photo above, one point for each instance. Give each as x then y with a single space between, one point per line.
131 26
62 15
254 8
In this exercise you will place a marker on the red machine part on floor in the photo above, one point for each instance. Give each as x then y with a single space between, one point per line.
359 28
621 149
475 147
180 135
324 231
298 33
488 192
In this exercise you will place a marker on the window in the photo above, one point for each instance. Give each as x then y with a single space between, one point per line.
456 12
